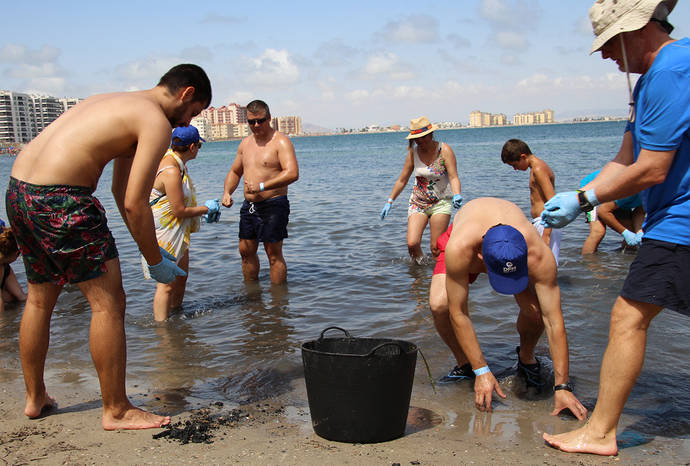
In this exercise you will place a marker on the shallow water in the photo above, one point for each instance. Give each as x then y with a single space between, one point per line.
241 342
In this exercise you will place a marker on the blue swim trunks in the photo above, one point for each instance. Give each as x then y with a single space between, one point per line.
265 221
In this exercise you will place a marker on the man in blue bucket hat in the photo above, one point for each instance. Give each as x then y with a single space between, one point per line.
493 236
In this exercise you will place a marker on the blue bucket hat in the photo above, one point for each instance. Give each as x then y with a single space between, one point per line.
505 255
187 135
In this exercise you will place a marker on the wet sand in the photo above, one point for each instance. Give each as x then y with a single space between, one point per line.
276 431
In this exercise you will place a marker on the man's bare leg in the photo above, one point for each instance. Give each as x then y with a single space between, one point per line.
438 224
250 260
620 368
109 351
530 324
34 338
438 302
274 251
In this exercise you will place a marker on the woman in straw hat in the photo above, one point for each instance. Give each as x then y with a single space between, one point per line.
436 188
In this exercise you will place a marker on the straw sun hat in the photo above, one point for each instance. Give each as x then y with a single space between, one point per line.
420 127
611 17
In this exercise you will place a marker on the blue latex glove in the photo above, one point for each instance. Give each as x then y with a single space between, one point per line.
631 239
560 210
213 214
457 200
212 218
385 210
165 271
213 206
166 254
639 235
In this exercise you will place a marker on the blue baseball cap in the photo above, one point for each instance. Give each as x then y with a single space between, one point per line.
505 255
187 135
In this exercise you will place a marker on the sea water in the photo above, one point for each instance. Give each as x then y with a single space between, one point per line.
240 342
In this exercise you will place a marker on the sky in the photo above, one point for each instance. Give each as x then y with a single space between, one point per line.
336 64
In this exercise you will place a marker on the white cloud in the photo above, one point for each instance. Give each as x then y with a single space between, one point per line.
511 40
238 97
273 68
357 96
458 41
510 21
380 63
388 64
335 53
26 71
413 29
17 53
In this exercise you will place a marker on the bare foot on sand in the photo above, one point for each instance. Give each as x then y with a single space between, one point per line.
35 408
134 418
583 441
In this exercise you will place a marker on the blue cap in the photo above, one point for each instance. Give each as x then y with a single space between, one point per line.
505 255
187 135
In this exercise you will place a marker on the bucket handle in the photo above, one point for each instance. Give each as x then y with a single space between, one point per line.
347 334
396 343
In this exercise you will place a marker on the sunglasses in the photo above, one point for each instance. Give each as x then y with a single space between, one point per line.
256 121
199 144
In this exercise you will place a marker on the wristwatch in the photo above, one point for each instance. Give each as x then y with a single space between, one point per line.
564 386
585 205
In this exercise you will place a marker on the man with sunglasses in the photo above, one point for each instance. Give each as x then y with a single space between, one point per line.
654 160
493 236
267 162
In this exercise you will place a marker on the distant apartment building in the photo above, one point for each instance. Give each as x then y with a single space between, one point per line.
23 116
533 118
291 125
202 124
480 119
231 114
222 131
16 123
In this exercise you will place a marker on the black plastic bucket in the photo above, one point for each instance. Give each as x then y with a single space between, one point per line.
358 388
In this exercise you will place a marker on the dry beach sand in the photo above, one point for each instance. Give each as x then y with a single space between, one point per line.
276 431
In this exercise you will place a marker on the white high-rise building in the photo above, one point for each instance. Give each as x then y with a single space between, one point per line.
16 121
23 116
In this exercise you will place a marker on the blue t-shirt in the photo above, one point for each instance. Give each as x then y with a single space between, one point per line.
629 202
662 123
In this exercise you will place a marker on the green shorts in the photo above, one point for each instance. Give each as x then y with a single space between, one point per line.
444 206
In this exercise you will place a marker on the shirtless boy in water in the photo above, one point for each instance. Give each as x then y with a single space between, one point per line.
62 232
542 181
267 161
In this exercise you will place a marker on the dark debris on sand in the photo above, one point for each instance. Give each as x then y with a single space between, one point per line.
200 427
203 423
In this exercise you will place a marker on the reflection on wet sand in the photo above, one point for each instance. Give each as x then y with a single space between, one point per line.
179 362
268 342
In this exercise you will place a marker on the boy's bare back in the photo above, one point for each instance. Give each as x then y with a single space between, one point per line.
542 182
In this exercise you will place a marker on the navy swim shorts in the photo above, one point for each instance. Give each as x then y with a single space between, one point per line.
659 275
265 221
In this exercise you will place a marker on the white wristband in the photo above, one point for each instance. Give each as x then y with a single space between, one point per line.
390 200
481 370
261 186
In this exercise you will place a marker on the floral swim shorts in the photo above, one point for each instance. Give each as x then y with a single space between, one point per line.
61 231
